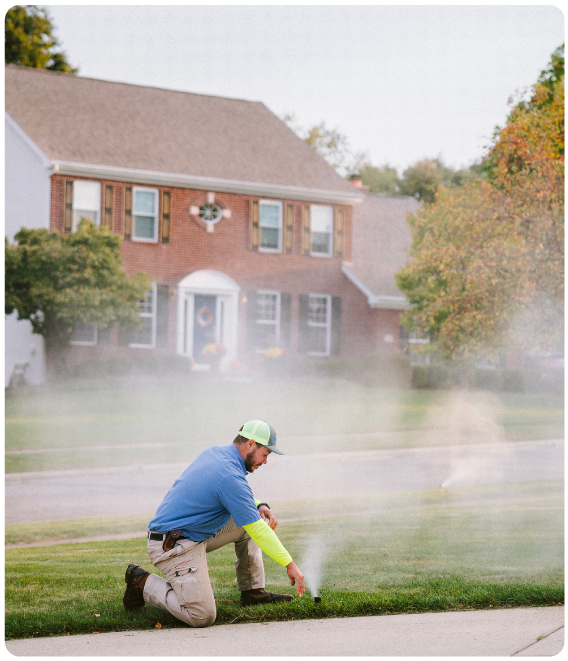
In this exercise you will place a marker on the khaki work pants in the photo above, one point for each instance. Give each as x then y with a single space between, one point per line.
187 593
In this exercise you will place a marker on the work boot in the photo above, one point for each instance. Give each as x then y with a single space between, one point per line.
261 596
135 578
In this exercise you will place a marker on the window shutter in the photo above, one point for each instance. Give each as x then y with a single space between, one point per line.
251 320
335 326
103 335
106 220
127 213
338 222
303 323
289 229
165 204
254 230
306 233
162 314
285 319
68 207
126 336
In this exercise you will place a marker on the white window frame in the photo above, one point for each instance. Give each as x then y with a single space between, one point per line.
153 315
77 183
274 203
319 324
417 358
156 192
266 322
330 251
80 343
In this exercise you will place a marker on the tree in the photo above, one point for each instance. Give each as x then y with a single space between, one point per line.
330 144
423 179
56 280
383 179
29 40
486 267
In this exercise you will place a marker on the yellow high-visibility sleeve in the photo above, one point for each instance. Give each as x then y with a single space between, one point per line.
264 537
257 502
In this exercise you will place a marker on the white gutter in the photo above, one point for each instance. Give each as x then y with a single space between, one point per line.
207 183
375 300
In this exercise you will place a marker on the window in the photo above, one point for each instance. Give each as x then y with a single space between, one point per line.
145 214
270 224
321 229
145 336
409 340
86 202
83 334
319 325
267 319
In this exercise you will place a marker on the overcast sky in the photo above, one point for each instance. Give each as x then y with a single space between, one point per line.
401 82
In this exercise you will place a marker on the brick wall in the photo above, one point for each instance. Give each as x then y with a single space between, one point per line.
226 249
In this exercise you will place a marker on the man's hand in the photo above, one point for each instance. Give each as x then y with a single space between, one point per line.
268 515
296 578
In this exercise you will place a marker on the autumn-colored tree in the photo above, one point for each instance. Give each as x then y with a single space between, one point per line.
486 270
29 40
56 280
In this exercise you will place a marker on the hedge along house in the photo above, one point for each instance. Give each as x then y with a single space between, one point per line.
241 226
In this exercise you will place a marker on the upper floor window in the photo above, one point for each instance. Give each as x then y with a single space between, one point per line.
321 229
145 214
270 225
86 202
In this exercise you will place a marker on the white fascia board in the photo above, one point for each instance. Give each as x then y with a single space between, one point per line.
45 160
375 300
208 183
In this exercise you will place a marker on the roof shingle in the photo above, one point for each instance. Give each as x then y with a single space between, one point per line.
83 120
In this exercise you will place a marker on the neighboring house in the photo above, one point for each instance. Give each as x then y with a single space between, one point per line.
381 243
26 206
242 227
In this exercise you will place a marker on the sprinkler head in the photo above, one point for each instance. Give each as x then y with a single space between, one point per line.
317 600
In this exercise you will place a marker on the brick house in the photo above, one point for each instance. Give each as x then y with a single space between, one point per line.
242 228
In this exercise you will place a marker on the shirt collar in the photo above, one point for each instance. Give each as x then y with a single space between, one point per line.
239 458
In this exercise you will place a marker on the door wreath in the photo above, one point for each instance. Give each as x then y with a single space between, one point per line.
204 316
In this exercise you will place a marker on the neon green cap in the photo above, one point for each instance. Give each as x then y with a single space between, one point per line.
261 432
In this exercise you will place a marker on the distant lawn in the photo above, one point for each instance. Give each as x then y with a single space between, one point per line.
435 550
102 423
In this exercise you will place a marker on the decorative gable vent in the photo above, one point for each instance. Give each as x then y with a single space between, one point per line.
208 210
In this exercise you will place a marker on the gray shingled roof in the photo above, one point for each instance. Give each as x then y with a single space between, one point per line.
83 120
381 240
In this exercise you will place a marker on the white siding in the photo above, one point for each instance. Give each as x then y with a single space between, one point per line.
27 200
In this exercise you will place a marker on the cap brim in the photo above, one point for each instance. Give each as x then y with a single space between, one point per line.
274 449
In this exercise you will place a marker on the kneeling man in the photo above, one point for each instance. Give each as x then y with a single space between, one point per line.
211 505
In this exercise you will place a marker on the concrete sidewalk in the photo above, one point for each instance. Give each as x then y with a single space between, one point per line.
510 632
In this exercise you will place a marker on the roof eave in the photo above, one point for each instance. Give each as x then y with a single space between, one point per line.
206 183
376 301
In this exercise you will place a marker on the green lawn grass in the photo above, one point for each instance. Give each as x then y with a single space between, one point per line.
294 509
431 553
121 421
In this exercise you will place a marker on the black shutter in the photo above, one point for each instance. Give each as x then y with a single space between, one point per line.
165 207
303 337
285 319
126 336
335 325
103 335
251 321
162 314
127 213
